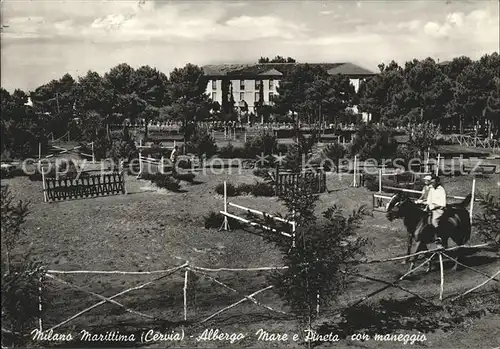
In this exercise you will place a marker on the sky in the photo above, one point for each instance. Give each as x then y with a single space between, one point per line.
42 40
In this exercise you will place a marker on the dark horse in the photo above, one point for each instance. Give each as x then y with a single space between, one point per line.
454 223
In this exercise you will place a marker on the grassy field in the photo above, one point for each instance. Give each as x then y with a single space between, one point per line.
150 229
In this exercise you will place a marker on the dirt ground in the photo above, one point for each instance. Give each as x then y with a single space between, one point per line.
149 229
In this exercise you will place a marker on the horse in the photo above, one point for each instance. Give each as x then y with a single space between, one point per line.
454 223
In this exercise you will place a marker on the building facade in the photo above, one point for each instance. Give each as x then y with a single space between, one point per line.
249 81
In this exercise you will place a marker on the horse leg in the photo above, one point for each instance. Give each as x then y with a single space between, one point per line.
408 249
419 246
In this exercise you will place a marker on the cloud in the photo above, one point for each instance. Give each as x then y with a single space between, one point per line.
145 21
74 36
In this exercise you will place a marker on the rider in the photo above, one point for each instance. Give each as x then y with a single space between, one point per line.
425 192
436 201
173 157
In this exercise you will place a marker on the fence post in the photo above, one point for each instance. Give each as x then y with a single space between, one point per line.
140 162
354 184
379 180
472 198
225 206
40 324
44 185
437 164
39 150
277 181
93 156
185 291
123 179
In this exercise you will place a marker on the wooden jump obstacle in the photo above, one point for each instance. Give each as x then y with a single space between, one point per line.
83 186
226 214
288 181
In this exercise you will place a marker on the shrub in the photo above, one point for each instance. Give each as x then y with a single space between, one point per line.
406 153
20 280
333 152
187 177
262 173
232 190
184 164
488 222
265 143
245 188
423 136
263 189
214 220
202 144
231 152
163 181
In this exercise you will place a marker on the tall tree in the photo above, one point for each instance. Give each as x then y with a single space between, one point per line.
56 99
126 103
93 95
21 128
189 103
376 93
150 87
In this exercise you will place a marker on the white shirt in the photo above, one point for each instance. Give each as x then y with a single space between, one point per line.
173 155
436 197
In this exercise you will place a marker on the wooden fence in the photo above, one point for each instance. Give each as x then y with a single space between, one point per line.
289 181
84 186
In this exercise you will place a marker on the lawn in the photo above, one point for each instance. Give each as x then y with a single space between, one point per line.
149 229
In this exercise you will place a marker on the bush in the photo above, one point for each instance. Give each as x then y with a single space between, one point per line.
214 220
187 177
333 152
262 173
202 144
245 188
231 152
488 223
20 280
265 143
263 189
232 190
163 181
406 153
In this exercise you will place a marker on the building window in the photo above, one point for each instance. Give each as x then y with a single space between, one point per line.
214 96
257 85
257 96
214 84
271 96
242 85
242 96
271 84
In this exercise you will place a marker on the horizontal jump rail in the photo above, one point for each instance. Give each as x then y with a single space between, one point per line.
255 224
260 213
